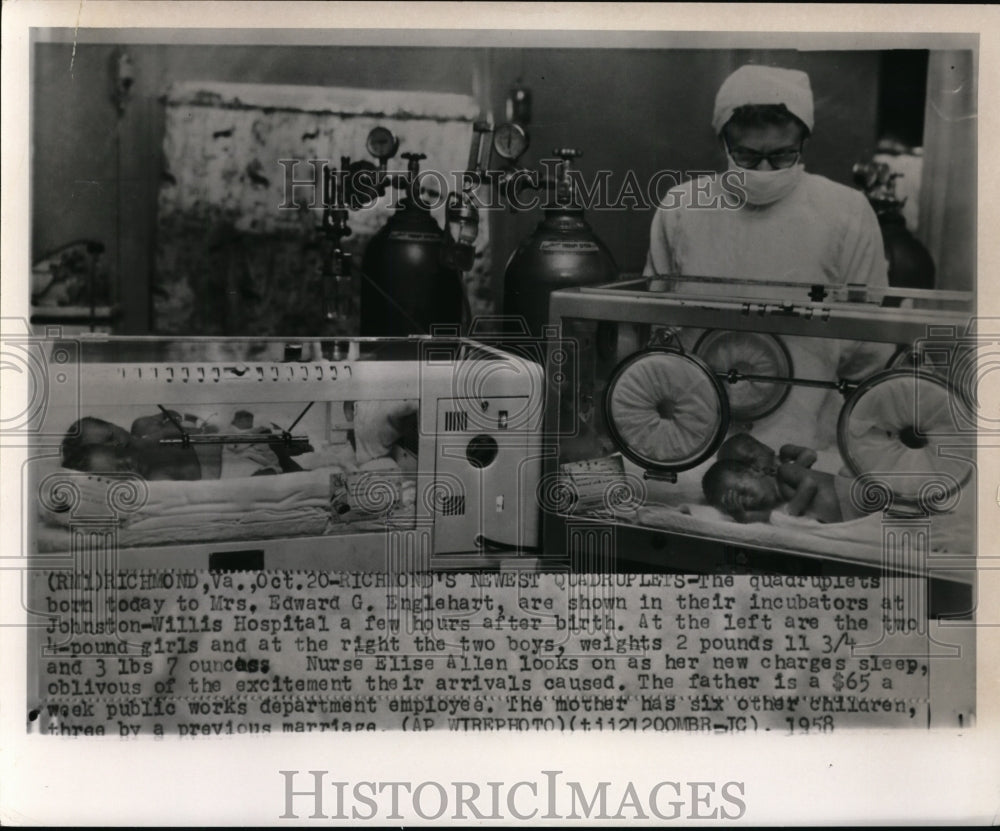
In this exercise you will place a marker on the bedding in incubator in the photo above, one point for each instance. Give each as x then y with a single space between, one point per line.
235 472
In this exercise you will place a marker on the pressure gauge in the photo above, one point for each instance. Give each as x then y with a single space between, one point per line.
510 141
382 143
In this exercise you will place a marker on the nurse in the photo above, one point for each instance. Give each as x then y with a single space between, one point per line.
765 218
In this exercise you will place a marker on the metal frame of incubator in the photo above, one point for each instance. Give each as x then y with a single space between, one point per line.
612 544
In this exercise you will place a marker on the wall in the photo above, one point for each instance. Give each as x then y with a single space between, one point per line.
948 197
641 109
74 148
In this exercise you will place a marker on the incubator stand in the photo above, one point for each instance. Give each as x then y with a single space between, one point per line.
644 385
361 454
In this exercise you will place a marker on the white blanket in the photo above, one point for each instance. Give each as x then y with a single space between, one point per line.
680 507
257 507
859 541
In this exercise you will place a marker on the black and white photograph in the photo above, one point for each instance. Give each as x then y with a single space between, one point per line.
568 392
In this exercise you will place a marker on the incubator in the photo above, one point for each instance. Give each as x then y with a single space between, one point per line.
367 454
647 377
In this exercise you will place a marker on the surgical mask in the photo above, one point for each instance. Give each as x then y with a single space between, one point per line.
763 187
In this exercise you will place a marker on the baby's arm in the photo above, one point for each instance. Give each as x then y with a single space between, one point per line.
732 505
802 456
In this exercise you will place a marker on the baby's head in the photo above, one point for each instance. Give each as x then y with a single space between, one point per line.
742 447
731 485
91 431
94 445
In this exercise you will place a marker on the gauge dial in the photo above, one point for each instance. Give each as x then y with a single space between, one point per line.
510 141
381 143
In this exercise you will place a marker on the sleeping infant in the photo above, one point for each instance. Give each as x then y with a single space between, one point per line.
94 445
749 480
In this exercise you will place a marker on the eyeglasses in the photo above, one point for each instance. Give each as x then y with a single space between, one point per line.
751 159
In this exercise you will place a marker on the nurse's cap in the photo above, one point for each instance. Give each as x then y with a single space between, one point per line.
753 84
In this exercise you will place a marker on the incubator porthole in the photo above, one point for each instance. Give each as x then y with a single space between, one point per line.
900 427
748 353
665 410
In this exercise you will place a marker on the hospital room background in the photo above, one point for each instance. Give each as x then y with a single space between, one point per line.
155 192
100 158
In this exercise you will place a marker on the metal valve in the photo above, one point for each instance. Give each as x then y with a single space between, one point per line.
413 160
563 188
476 161
461 213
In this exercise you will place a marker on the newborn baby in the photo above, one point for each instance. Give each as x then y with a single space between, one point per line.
749 480
94 445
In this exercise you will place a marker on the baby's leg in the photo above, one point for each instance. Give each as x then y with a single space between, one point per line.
812 494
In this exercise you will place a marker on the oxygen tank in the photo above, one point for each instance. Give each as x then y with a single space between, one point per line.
910 264
563 252
405 289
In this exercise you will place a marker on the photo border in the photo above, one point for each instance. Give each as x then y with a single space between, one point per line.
877 776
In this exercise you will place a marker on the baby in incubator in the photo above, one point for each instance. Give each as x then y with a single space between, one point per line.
94 445
749 480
